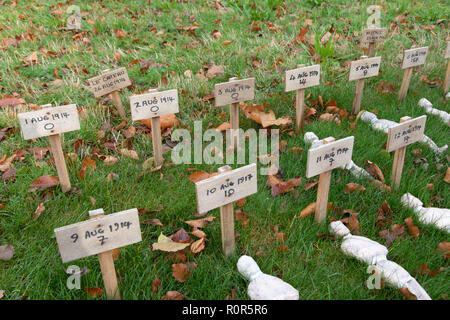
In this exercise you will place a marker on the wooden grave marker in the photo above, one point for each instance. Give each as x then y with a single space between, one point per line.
52 122
372 36
322 160
411 58
299 79
405 133
233 92
222 191
359 70
152 106
100 235
110 82
447 74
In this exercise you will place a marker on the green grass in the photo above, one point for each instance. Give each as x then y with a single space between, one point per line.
315 266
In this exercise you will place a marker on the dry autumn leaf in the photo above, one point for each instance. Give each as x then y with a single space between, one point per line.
198 176
200 223
198 245
444 249
129 153
168 245
374 170
182 271
44 182
6 252
110 160
172 295
353 187
257 113
38 211
447 175
167 121
181 236
156 285
412 228
310 208
94 292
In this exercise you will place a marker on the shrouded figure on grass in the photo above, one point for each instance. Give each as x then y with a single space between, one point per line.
428 106
384 125
374 254
440 217
263 286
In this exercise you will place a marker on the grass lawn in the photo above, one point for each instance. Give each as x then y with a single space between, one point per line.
162 41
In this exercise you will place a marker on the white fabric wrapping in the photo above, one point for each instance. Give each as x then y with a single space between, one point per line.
384 125
440 217
263 286
373 253
428 106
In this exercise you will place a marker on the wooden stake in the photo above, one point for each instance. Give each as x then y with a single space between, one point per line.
322 191
371 50
399 160
107 265
299 107
227 223
358 93
447 78
234 119
115 97
58 155
156 137
405 84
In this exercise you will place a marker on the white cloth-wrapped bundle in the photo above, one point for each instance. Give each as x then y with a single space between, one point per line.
428 106
373 253
384 125
310 137
263 286
440 217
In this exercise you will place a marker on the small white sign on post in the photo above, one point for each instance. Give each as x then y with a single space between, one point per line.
221 191
373 35
329 156
414 57
302 78
234 91
226 187
364 68
406 133
92 237
109 82
49 121
322 160
150 105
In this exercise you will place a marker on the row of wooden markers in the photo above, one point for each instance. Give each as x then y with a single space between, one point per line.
101 234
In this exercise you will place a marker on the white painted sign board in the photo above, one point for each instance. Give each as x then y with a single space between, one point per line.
329 156
94 236
49 121
302 78
364 68
156 104
414 57
406 133
372 35
234 91
226 187
108 82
